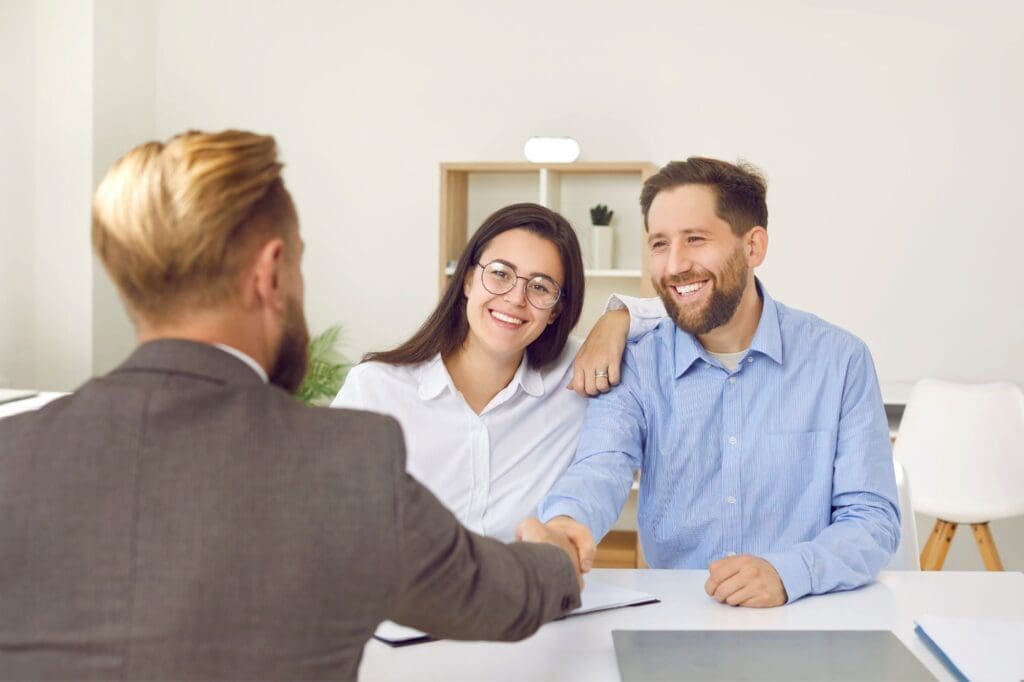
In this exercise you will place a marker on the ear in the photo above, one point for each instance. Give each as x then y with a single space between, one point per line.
467 282
264 286
755 243
555 313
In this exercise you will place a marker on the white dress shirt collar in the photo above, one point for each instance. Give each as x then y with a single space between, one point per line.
434 378
244 358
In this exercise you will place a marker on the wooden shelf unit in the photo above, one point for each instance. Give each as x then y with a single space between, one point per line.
455 214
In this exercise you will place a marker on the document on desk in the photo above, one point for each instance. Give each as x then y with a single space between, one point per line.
596 597
976 649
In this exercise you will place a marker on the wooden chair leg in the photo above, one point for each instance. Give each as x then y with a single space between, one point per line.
937 547
929 546
987 546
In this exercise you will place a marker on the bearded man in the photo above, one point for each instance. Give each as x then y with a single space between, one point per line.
185 517
758 429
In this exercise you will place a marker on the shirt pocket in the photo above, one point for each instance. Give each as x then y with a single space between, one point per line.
802 466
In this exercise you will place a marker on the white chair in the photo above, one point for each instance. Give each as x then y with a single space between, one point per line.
963 444
906 556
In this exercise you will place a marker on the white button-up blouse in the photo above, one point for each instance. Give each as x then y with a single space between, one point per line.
490 469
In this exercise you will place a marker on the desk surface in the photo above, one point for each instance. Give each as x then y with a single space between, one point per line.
581 648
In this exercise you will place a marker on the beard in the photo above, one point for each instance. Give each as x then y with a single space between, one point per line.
293 354
726 294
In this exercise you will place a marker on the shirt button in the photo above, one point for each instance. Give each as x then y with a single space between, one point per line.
732 440
730 554
731 499
750 359
707 364
732 380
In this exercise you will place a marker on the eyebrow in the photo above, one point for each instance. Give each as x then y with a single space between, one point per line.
531 275
685 230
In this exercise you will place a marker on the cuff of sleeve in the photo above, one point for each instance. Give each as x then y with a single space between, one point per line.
563 508
796 579
614 303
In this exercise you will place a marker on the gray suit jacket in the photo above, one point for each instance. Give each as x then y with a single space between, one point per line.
180 519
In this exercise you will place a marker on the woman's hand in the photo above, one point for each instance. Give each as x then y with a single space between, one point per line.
596 368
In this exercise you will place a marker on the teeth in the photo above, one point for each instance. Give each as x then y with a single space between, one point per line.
689 288
506 318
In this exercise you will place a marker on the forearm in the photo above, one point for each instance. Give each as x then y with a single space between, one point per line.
483 589
460 585
644 313
592 491
847 554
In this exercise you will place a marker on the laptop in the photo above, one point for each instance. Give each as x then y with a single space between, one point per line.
648 655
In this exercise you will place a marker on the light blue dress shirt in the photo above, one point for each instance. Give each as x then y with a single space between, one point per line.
786 458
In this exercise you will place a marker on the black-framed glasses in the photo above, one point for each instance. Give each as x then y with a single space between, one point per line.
500 278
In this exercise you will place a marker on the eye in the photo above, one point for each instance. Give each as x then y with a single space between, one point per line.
658 245
500 273
540 288
694 239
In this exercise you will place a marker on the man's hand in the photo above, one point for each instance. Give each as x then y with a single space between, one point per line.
580 537
596 368
532 530
745 580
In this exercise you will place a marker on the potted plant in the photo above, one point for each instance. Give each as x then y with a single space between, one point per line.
604 237
327 369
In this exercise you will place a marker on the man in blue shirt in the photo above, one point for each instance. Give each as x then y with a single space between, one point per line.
759 430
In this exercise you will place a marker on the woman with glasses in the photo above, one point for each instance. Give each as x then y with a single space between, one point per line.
480 389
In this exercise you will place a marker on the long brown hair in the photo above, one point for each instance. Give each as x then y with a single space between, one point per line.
446 328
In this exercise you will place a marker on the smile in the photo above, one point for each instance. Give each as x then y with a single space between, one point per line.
685 290
506 319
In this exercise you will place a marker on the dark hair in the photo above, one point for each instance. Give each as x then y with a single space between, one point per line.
446 328
741 189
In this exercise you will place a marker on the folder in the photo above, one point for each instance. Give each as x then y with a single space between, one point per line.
976 649
595 597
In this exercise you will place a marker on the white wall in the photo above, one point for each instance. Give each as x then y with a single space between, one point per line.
890 134
63 193
17 324
124 88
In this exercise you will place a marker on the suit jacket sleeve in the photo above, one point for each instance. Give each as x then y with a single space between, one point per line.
456 584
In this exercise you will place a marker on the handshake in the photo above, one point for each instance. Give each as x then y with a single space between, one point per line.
571 536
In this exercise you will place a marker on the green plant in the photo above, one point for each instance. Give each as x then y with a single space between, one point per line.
600 215
327 369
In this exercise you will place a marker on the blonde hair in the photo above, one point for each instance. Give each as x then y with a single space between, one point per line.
175 223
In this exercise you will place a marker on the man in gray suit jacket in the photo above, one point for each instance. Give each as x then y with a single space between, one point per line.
181 517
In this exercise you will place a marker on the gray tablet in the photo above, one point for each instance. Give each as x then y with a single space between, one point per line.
646 655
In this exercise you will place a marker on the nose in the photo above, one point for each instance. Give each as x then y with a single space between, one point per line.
517 294
679 260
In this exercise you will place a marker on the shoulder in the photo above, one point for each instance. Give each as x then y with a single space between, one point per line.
375 385
803 329
373 372
651 347
346 433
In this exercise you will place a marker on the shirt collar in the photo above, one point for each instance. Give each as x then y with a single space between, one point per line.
434 378
767 339
247 359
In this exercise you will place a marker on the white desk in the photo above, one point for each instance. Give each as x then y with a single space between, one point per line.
581 648
28 404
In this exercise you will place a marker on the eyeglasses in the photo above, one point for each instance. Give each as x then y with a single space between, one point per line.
500 278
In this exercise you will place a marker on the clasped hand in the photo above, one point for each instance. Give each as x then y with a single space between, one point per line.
566 533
